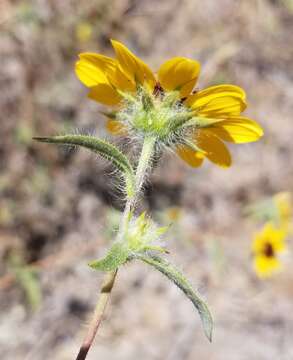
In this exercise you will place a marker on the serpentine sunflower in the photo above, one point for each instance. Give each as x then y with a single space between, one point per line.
266 247
165 105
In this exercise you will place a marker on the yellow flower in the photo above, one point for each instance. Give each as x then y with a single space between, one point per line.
194 123
266 247
84 31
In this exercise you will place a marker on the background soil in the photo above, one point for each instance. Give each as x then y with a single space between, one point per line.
56 206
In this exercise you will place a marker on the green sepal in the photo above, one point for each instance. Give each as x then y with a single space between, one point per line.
193 146
178 279
116 256
160 249
179 121
201 122
109 114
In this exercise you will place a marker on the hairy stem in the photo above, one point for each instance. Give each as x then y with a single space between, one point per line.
144 162
109 279
141 172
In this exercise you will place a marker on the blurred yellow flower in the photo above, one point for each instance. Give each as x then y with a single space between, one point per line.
266 247
283 202
84 31
174 213
214 114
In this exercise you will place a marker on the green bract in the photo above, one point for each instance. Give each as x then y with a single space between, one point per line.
141 235
154 115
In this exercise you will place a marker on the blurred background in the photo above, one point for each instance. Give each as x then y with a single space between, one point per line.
58 208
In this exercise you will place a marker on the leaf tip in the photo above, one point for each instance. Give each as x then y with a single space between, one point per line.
209 332
208 325
41 138
91 264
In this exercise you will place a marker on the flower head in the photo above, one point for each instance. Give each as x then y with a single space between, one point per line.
165 105
266 247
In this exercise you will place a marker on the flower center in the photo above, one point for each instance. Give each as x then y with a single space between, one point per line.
268 250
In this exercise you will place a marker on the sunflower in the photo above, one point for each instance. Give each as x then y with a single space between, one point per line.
266 248
165 105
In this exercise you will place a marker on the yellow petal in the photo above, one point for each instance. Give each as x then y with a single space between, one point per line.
215 150
115 127
105 94
270 234
266 266
221 106
218 100
92 69
179 73
135 69
225 89
237 130
190 156
119 80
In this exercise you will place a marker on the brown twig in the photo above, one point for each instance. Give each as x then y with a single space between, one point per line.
98 314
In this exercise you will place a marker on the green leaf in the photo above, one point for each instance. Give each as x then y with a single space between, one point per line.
116 256
98 146
178 279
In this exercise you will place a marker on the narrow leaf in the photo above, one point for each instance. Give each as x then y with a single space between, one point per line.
116 256
101 147
175 275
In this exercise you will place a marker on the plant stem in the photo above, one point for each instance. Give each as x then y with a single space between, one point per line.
144 162
109 279
98 314
141 172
